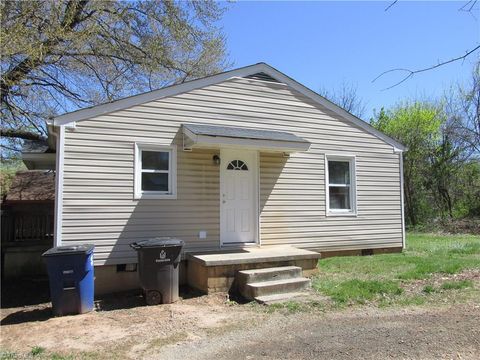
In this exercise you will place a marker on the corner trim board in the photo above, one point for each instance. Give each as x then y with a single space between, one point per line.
59 186
400 155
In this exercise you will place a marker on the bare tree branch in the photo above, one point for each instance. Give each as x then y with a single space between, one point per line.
389 6
63 54
411 73
466 6
71 19
20 134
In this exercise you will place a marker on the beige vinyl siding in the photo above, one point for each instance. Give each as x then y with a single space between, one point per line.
99 205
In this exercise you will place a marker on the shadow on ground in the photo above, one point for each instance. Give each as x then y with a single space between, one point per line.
24 292
28 315
132 299
34 302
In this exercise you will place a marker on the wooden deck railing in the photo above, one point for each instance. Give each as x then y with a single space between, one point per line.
27 224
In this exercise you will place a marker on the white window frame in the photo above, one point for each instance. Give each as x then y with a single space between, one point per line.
353 186
172 172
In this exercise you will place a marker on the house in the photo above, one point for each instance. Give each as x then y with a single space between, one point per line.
248 161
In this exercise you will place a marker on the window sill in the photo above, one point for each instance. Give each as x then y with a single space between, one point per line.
155 196
339 213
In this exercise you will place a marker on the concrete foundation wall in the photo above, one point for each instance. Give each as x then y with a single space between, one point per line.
109 280
24 261
327 254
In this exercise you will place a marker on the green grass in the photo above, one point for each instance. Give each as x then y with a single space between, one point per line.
292 307
289 306
381 278
358 291
457 285
7 355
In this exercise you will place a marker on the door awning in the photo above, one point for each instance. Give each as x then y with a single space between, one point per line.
209 136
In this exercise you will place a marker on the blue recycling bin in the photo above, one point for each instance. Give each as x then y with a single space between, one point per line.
70 273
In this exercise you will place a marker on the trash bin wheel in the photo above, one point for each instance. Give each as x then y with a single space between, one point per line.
153 297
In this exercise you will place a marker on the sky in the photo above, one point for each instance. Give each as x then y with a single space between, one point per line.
324 44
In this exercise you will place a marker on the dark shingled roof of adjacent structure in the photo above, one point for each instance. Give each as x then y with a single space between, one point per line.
36 146
34 185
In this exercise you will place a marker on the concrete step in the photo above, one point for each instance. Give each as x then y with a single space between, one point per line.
267 274
254 290
280 298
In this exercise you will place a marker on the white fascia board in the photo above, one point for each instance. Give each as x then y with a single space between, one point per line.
329 105
205 141
83 114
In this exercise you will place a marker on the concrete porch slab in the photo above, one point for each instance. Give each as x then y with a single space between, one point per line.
253 255
216 271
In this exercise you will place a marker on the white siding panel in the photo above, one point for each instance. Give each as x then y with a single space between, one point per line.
99 206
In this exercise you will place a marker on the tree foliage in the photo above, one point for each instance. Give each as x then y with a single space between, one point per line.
442 164
58 56
417 126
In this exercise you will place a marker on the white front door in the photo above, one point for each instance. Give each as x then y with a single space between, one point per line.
238 196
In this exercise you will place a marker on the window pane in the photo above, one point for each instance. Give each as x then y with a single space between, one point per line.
237 165
339 172
155 182
339 198
155 160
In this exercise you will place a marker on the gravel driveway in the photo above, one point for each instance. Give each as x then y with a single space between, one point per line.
210 327
449 333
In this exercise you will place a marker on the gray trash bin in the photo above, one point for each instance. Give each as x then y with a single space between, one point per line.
158 261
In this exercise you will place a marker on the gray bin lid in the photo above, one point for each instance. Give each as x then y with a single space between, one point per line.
69 250
158 242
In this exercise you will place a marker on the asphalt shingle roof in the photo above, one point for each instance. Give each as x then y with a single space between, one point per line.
243 133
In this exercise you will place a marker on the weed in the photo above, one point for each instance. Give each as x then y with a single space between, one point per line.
37 350
429 289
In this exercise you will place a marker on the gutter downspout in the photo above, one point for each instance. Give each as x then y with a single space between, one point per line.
59 159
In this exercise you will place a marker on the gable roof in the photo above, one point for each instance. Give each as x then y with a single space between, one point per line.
260 71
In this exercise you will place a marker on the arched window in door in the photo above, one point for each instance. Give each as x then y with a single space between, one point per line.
237 165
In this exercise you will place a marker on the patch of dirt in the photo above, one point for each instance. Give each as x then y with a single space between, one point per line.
131 331
212 327
437 280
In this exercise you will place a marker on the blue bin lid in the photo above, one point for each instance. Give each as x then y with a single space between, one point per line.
158 242
69 250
